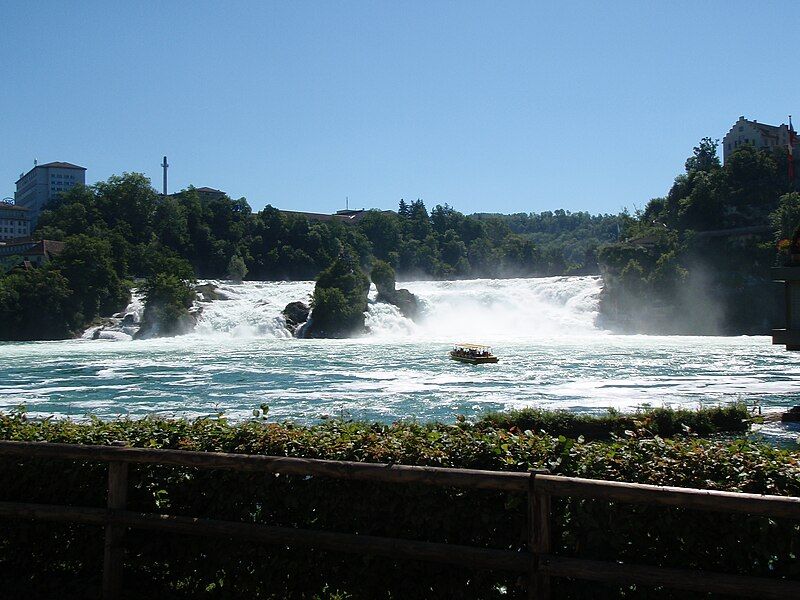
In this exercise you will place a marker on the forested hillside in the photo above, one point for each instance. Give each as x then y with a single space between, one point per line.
120 230
694 261
698 259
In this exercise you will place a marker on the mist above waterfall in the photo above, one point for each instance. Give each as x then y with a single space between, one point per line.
452 310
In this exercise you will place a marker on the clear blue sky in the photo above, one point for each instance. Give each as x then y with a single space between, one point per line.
487 106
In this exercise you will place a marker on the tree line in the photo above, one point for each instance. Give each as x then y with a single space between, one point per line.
697 260
670 266
122 229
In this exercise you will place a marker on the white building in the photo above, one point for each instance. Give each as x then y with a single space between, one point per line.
43 183
14 222
765 137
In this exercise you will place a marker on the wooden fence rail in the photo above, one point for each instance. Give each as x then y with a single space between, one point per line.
538 562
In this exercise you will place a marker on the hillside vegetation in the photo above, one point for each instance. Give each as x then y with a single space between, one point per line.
697 260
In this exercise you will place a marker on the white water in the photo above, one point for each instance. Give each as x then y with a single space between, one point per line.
551 355
251 309
500 309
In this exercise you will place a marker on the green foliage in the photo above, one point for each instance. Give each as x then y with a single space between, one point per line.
382 275
214 232
65 561
236 268
88 265
704 157
167 300
339 300
37 304
665 422
785 219
708 244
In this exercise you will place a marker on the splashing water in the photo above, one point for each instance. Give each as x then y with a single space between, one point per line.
551 356
251 309
480 308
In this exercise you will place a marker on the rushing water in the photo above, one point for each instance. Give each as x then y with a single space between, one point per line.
552 355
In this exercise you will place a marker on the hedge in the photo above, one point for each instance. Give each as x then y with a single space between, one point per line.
728 418
43 560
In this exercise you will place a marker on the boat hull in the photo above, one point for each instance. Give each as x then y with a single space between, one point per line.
474 360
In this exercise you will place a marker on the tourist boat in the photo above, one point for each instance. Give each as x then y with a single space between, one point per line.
474 354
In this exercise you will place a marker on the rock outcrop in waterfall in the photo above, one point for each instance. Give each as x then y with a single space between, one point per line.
339 301
383 277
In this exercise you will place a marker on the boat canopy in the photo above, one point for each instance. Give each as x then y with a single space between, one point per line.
473 346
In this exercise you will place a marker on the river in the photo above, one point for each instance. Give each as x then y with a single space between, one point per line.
552 355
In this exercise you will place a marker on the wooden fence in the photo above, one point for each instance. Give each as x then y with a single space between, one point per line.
538 562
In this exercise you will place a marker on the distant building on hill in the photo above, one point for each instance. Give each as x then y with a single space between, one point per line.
207 193
760 135
27 254
43 183
342 216
15 222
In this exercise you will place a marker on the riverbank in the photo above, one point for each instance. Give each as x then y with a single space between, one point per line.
64 558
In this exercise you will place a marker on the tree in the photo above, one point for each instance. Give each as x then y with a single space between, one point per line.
383 232
403 209
704 156
37 304
167 300
383 275
785 219
87 263
236 268
340 299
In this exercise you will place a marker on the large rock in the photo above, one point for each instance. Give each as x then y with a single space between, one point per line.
295 313
339 301
792 415
209 292
404 300
384 279
180 325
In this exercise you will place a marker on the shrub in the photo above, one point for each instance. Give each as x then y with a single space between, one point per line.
42 560
167 300
655 421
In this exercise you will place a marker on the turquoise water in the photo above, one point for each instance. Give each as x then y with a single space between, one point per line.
401 370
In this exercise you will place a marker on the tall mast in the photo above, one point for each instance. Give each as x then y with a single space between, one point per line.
165 166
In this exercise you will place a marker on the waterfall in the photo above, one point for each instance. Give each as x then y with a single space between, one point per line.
251 308
121 326
451 309
477 309
480 309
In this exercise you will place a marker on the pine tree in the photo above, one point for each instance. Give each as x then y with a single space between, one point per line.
403 210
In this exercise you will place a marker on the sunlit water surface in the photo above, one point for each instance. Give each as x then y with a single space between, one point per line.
551 356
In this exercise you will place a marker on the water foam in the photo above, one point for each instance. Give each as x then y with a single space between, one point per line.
494 308
473 309
251 308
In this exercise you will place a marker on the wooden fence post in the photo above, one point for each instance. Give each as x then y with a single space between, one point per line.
113 555
540 540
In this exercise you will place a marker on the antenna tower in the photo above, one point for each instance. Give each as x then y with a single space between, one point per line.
165 166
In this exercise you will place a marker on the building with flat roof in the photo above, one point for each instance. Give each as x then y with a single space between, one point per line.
43 183
14 222
760 135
